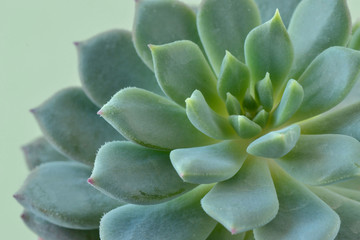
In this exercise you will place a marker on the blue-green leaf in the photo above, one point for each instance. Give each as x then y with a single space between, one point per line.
322 159
316 26
246 201
221 233
352 183
244 127
301 214
69 121
181 68
275 144
264 92
59 193
40 151
206 120
224 25
345 192
178 219
209 164
152 120
233 105
355 40
261 118
160 22
136 174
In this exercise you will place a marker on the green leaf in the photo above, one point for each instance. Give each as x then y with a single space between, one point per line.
233 106
136 174
323 159
152 120
268 7
180 68
160 22
290 102
224 25
249 236
69 121
178 219
59 193
40 151
221 233
275 144
209 164
244 127
206 120
264 92
355 40
316 26
352 183
328 80
348 210
108 62
268 49
261 118
234 78
301 214
246 201
345 192
49 231
344 121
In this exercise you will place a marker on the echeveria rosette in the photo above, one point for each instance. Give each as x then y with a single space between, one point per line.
246 122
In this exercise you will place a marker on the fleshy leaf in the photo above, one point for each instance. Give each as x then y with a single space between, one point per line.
205 119
152 120
221 233
264 92
246 201
275 144
353 183
322 159
289 103
178 219
348 210
261 118
301 214
332 28
108 62
233 106
209 164
355 40
136 174
234 78
59 193
40 151
344 121
49 231
250 104
348 193
219 28
244 127
180 68
160 22
268 7
69 121
328 80
268 49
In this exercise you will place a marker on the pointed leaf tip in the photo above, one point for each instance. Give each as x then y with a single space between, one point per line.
100 112
76 44
91 181
233 231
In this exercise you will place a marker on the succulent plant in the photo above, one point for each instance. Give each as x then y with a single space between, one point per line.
242 117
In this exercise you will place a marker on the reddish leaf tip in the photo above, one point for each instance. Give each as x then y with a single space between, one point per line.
91 181
233 231
76 44
24 216
18 196
182 175
100 112
33 110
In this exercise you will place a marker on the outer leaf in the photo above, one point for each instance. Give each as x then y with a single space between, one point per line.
268 7
332 28
69 121
108 62
179 219
328 80
348 210
246 201
209 164
219 28
301 214
59 193
275 144
152 120
221 233
205 119
40 151
136 174
344 121
180 68
322 159
268 49
162 21
234 78
244 127
49 231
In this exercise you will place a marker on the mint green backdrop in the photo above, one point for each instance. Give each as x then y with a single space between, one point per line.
37 59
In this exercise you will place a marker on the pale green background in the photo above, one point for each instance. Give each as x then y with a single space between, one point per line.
37 58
